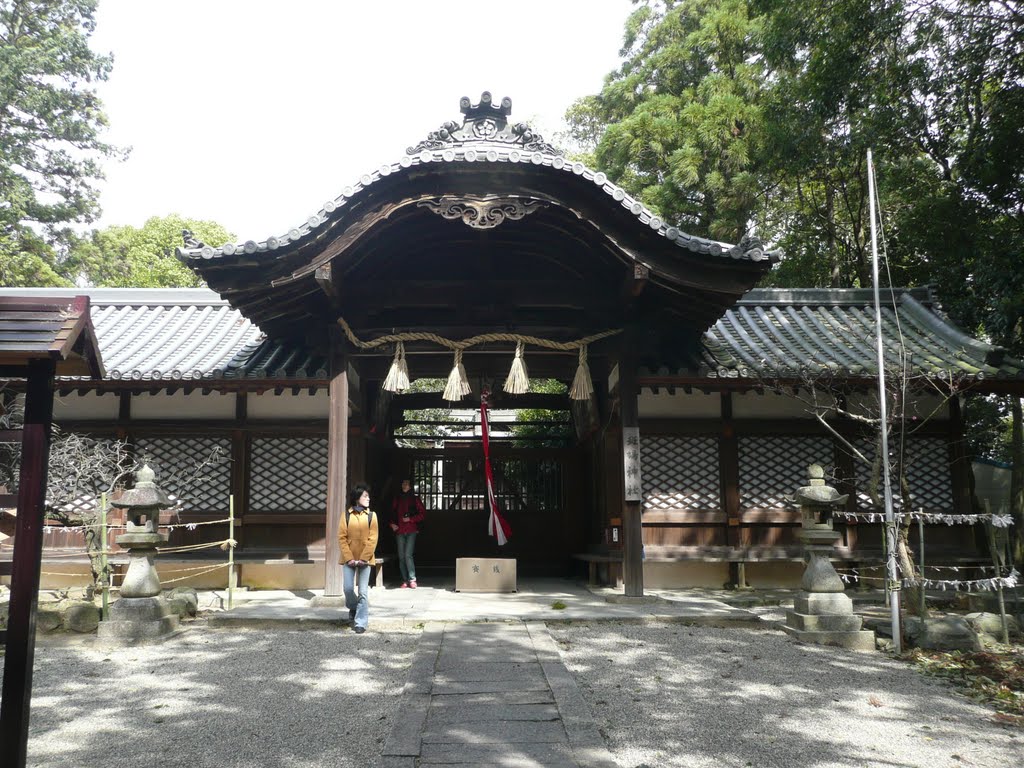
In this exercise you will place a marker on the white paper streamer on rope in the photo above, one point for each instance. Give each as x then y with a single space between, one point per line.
999 521
957 585
166 526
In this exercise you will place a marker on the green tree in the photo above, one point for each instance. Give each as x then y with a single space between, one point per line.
682 116
554 427
140 257
51 121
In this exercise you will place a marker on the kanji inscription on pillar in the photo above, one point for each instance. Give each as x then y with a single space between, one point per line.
632 488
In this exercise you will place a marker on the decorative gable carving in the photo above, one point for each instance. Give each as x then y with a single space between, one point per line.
483 213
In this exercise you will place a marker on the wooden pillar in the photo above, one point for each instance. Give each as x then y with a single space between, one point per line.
28 551
960 463
240 466
632 523
729 474
337 465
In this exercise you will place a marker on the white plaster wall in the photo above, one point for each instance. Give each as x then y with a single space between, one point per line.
695 405
87 406
289 406
184 407
685 574
750 405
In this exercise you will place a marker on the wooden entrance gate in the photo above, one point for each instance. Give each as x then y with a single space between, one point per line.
539 491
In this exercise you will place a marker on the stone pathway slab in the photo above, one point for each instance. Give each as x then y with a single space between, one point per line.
493 695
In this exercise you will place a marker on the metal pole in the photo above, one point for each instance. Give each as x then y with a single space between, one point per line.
231 551
104 568
892 584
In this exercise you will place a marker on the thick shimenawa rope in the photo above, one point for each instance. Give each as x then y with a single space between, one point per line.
457 386
559 346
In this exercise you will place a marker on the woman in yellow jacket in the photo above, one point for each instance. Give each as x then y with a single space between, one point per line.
357 536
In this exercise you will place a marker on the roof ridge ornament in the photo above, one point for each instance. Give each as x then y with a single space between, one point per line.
484 122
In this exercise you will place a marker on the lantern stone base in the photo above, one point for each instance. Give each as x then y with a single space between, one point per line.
137 619
827 618
863 640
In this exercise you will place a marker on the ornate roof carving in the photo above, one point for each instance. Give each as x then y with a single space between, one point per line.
483 213
484 122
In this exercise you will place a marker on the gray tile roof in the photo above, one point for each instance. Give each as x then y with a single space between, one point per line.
46 326
170 335
802 333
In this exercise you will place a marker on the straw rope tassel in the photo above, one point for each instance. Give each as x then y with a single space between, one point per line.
458 384
398 376
581 388
518 380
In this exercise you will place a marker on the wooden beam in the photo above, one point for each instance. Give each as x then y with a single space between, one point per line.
500 400
467 292
636 282
337 464
28 549
325 280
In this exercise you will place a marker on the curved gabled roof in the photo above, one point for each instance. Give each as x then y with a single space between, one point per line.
486 137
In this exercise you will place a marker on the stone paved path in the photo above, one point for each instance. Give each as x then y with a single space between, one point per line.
496 695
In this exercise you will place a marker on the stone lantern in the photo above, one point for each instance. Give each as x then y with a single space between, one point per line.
823 613
141 611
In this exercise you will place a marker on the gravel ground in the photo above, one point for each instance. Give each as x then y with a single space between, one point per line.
672 695
663 695
280 698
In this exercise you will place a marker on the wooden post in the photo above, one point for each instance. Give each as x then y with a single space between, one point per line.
28 551
729 474
632 523
337 465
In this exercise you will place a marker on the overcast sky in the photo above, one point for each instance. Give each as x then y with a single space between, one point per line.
255 113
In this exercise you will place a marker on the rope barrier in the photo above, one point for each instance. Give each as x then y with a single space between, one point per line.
191 547
999 521
168 526
957 585
211 569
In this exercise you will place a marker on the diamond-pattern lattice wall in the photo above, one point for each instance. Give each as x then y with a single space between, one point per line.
288 474
928 475
772 468
194 470
680 472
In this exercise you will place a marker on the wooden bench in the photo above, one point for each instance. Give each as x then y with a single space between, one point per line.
595 560
735 556
377 570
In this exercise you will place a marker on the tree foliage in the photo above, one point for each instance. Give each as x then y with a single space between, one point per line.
738 116
140 257
51 122
755 116
682 123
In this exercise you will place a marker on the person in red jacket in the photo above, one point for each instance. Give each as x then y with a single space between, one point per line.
407 514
